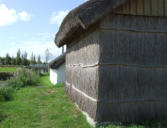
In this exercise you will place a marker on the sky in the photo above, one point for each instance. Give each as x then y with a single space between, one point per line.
31 25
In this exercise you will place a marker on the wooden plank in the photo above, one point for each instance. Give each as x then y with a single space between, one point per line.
147 7
154 7
133 8
135 23
126 8
129 47
140 8
165 9
119 10
160 7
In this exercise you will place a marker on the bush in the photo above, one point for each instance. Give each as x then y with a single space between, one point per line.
23 77
5 75
2 116
6 93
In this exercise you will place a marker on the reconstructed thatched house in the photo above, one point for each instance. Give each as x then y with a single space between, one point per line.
116 61
40 68
57 70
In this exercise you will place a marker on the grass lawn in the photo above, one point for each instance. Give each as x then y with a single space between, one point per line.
47 106
8 69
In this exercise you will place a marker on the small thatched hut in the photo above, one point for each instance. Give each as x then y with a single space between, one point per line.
57 70
40 68
116 61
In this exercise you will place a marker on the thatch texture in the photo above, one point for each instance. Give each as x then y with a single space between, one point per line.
81 80
132 68
116 66
54 64
144 8
82 17
120 69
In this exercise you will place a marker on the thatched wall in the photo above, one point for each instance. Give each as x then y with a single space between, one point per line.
132 68
143 7
116 61
134 40
118 71
81 80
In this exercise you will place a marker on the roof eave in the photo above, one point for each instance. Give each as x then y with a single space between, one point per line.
82 17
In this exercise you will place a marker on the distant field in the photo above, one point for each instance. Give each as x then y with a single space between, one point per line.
8 69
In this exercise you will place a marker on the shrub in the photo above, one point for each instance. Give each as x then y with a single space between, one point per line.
2 116
5 75
6 93
23 77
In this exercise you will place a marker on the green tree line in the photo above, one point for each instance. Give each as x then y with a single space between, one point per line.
20 59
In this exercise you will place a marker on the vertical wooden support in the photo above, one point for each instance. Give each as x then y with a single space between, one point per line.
119 10
165 7
140 7
133 6
160 7
126 8
155 7
144 7
147 7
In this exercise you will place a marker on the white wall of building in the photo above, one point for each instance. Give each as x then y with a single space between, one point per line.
57 75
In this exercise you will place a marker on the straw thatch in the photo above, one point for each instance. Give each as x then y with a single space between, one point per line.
115 62
54 64
82 17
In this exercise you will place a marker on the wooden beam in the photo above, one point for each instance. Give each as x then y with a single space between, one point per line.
133 6
140 7
126 8
154 7
147 7
119 10
160 7
165 7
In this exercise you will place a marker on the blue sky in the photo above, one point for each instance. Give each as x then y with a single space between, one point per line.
32 24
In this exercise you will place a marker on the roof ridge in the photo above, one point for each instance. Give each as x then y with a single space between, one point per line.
81 18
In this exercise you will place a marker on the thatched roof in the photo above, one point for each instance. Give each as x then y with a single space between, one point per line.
54 64
82 17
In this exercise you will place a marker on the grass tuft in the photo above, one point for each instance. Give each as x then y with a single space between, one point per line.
6 93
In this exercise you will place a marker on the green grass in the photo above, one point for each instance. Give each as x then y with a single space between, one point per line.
47 106
41 107
8 69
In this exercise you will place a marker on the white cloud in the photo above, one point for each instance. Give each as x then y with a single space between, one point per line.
10 16
24 16
57 17
7 16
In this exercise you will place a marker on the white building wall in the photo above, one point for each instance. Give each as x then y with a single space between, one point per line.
57 75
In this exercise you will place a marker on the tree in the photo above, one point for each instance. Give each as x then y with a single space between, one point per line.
7 59
32 59
13 61
39 60
24 58
18 57
47 55
1 60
